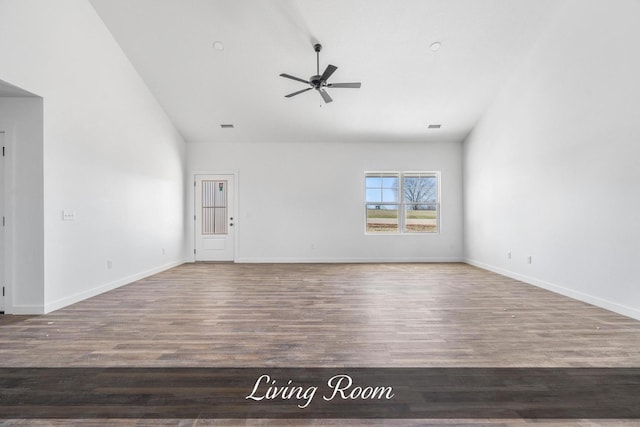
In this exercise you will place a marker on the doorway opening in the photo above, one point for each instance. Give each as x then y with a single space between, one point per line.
2 225
21 201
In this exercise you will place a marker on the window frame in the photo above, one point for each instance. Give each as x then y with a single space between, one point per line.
401 204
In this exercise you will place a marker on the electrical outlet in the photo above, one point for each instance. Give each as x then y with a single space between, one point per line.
529 259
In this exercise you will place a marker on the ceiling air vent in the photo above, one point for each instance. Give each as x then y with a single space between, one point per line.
226 126
435 126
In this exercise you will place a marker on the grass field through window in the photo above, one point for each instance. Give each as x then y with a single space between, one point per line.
386 220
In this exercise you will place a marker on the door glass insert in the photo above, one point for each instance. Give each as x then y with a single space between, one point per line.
214 207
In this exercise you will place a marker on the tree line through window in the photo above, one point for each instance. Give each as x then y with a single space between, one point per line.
402 202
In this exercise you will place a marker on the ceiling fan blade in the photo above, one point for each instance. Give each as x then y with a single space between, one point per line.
298 92
352 85
328 71
325 96
294 78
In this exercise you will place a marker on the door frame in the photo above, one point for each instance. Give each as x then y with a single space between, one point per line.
3 283
194 204
7 182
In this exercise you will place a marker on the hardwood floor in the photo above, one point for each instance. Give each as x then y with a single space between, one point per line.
324 315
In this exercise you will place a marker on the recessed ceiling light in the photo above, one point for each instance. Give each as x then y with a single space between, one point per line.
226 126
435 126
435 46
218 45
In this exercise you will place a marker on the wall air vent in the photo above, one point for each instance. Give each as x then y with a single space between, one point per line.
228 126
435 126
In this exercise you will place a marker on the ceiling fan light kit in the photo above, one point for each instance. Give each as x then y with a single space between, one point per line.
319 81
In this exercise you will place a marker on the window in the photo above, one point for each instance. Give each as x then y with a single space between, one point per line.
402 202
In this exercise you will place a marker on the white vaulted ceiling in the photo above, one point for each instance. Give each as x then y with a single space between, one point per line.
382 43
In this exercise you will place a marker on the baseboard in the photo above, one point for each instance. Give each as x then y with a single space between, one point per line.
571 293
23 310
342 260
72 299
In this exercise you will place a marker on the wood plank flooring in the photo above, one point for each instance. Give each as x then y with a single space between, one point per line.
324 315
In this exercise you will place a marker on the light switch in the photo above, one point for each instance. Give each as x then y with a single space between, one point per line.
68 215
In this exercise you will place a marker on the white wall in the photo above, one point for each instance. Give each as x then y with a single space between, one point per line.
110 153
553 169
304 202
21 119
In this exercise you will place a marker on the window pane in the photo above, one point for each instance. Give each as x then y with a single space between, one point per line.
390 195
390 182
421 218
382 218
416 188
382 188
374 195
374 182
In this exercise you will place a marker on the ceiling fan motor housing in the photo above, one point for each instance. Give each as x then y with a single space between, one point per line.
316 81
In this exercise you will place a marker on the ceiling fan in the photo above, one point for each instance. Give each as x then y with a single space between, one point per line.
319 81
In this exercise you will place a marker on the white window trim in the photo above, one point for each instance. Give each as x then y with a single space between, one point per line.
401 205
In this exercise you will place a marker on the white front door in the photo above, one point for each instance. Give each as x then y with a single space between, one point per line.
214 217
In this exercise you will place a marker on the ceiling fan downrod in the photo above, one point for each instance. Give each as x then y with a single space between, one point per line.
317 47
